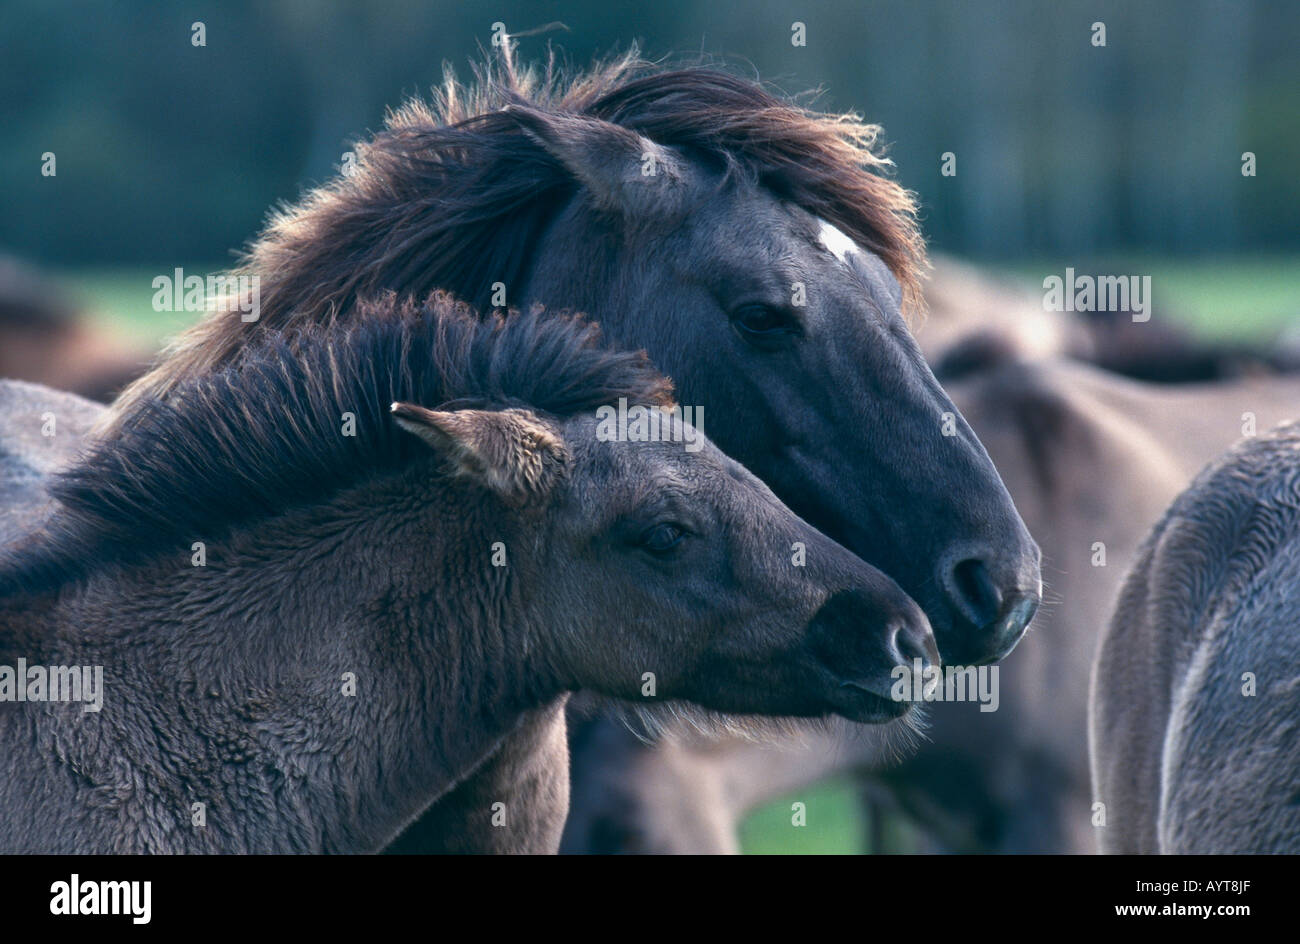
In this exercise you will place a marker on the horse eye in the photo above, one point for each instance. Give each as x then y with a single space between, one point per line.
662 538
763 324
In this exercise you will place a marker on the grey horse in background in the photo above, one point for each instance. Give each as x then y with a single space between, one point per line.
45 337
42 432
1195 716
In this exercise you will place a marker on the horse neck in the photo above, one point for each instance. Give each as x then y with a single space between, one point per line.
378 662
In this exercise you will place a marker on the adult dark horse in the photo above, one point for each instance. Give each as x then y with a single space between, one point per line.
753 248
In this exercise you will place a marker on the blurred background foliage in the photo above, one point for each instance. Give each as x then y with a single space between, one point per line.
167 151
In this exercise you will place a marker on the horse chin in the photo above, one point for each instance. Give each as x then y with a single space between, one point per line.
855 703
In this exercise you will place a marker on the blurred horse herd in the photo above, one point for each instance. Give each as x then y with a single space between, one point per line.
1152 705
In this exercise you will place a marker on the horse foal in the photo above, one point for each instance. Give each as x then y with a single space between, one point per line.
413 541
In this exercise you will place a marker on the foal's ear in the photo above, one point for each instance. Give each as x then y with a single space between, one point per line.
510 451
625 171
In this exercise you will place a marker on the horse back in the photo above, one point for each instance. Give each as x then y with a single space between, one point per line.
41 431
1232 752
1193 687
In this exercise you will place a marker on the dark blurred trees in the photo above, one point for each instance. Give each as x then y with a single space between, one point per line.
167 151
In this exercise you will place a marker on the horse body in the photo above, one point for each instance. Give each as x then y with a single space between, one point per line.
331 563
223 688
1194 711
525 775
44 338
43 430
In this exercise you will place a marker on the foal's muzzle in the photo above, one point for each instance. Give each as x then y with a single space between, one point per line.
861 643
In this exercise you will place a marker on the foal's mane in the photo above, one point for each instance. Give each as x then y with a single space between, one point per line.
265 432
454 194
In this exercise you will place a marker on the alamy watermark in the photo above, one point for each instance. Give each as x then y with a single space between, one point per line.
1116 293
637 423
217 292
50 683
79 897
919 682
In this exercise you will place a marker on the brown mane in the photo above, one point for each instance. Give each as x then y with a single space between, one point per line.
454 195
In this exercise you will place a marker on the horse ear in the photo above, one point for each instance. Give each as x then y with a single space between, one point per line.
510 451
624 171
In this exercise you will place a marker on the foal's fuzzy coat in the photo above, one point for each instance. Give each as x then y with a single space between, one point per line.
302 641
225 704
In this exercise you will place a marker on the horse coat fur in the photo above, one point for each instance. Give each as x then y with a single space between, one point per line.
1195 714
345 653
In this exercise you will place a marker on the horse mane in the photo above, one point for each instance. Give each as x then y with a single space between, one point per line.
454 194
265 432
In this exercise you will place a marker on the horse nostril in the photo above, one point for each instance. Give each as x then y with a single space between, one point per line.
986 606
1014 619
910 641
976 594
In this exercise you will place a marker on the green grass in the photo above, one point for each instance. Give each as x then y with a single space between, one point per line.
1245 299
835 823
121 299
1217 298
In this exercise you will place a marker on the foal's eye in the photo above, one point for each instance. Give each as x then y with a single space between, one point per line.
764 325
662 538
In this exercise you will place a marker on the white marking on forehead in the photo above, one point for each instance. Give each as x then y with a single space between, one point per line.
836 241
